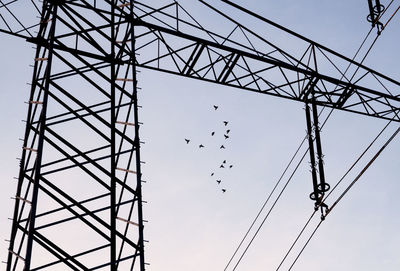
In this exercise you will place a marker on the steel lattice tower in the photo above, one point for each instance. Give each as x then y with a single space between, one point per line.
95 52
85 83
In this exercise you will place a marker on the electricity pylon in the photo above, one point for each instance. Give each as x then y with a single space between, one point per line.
85 83
80 167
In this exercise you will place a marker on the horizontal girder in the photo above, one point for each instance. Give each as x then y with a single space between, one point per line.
170 40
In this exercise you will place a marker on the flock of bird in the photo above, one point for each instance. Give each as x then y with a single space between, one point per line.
224 164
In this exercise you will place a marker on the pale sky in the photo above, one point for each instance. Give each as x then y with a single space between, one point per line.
192 224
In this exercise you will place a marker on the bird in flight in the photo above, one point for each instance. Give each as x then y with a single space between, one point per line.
218 181
201 146
227 131
212 174
187 140
212 133
223 190
222 147
225 123
230 166
226 136
215 107
224 162
221 166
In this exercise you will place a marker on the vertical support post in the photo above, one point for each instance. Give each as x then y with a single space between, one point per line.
137 148
24 151
113 246
52 9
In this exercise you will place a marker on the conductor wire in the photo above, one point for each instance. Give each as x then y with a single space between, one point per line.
345 192
391 17
276 200
330 192
338 183
269 196
284 172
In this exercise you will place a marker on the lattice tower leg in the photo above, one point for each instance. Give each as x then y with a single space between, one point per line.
78 204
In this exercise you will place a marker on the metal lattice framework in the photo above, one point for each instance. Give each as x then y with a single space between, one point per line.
70 184
318 72
107 207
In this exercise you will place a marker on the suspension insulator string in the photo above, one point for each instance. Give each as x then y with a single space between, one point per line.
330 192
344 193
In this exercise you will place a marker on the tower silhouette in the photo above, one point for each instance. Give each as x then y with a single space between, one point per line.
80 172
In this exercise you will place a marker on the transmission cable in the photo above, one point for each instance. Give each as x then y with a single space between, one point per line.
370 47
269 212
364 169
330 192
342 195
282 175
391 16
291 160
265 203
308 221
346 191
276 200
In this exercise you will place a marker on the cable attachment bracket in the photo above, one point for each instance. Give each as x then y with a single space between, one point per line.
375 12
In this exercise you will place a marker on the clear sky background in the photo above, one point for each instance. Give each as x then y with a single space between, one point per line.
192 224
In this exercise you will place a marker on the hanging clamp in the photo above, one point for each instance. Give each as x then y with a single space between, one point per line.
375 12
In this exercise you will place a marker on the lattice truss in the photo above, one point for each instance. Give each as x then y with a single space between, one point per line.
78 202
169 39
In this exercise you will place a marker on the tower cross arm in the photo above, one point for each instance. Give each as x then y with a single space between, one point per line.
318 73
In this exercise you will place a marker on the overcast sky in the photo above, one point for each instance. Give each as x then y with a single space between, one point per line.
192 224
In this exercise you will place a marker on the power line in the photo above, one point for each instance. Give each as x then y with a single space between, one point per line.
330 192
358 159
265 203
391 16
345 192
291 160
295 241
309 239
312 215
270 210
276 200
365 168
279 180
308 221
